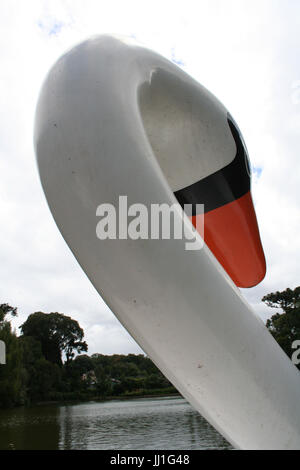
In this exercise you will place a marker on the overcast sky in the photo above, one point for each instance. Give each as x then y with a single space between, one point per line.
245 52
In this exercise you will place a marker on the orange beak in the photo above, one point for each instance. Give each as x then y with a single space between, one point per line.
231 232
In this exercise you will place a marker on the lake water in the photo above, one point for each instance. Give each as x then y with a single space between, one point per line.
145 423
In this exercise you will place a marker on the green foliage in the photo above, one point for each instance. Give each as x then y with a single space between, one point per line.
11 374
285 327
57 334
34 369
288 300
42 377
6 309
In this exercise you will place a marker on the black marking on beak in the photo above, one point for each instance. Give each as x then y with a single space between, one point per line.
223 186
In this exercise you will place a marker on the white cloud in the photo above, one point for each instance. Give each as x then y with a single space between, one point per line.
245 52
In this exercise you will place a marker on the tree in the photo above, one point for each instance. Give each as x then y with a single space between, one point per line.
11 374
74 371
285 327
288 300
57 334
83 364
41 377
6 309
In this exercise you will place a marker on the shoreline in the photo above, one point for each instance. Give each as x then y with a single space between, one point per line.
101 399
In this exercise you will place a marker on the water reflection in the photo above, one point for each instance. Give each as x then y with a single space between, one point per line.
30 428
161 423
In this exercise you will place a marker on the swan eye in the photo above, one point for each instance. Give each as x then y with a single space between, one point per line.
239 139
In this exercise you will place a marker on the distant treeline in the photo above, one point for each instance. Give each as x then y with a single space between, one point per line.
41 363
36 372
